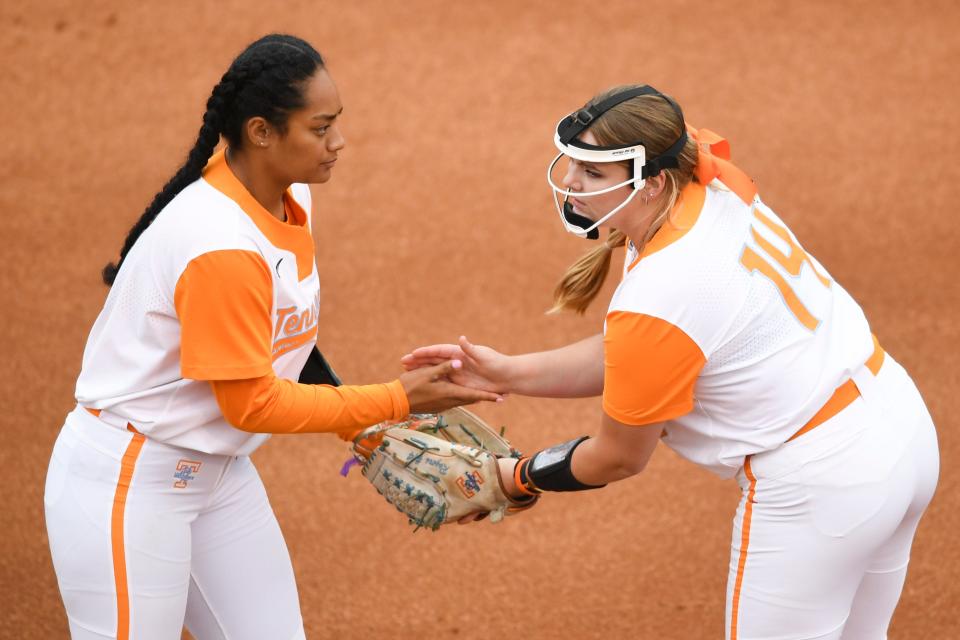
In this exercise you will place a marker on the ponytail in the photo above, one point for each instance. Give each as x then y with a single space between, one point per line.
206 142
585 277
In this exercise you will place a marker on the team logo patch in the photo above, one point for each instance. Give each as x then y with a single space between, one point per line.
184 473
469 483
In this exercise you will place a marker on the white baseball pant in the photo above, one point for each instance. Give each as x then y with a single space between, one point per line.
146 537
822 535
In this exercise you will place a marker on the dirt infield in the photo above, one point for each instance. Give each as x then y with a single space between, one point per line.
438 222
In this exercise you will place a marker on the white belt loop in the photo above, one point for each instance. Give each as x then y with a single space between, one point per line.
113 419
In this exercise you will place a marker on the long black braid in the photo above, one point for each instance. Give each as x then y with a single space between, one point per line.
265 80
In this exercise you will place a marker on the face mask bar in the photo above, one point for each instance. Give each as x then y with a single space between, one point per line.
569 145
581 225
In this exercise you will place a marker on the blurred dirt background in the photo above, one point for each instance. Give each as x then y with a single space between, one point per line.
439 222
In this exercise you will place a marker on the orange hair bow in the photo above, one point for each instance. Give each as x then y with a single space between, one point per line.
714 162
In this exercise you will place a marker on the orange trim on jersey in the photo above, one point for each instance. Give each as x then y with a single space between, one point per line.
293 235
713 161
127 465
650 368
744 544
684 215
843 396
224 301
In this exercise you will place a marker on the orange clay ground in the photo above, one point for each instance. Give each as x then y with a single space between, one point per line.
438 222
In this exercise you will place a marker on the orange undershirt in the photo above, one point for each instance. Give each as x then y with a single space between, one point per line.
274 405
224 300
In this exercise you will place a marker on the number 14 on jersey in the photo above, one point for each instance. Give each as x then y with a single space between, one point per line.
803 291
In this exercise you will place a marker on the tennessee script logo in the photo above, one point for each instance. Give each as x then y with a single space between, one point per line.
294 327
469 483
184 473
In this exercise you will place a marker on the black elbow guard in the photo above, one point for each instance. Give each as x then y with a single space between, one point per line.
549 470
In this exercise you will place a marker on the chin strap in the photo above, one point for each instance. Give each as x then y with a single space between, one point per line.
579 221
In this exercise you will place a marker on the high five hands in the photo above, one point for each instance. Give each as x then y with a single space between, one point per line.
482 369
437 387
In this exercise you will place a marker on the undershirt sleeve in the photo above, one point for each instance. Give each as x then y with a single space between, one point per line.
224 300
269 404
650 368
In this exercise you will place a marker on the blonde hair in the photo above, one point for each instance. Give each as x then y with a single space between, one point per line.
651 119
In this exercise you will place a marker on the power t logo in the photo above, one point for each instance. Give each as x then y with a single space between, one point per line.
184 473
469 483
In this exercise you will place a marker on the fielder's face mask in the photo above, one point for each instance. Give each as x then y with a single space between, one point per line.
642 167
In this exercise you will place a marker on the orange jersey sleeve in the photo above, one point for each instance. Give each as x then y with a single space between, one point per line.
269 404
650 367
224 301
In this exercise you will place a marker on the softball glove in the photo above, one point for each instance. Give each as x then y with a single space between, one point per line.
437 468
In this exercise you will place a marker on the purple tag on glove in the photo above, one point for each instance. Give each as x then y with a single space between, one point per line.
345 469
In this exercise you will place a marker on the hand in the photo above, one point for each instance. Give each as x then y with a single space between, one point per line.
505 466
483 368
430 471
429 389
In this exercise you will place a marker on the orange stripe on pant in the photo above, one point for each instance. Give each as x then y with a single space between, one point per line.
744 542
844 395
127 465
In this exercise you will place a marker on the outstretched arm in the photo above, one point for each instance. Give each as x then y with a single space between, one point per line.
572 371
616 452
269 404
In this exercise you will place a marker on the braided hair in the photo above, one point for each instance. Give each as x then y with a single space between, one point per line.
266 80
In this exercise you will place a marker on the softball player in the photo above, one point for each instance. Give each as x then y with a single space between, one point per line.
155 514
736 348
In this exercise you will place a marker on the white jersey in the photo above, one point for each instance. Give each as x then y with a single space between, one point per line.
726 331
216 288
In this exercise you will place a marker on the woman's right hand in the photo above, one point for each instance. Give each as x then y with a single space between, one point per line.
483 368
429 389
